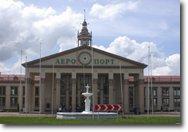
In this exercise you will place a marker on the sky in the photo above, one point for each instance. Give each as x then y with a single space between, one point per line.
123 27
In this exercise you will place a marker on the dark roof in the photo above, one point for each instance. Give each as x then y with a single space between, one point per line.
30 63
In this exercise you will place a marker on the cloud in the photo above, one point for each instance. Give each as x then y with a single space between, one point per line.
129 48
173 61
3 68
113 9
164 70
25 26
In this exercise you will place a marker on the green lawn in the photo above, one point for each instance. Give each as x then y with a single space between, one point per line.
118 121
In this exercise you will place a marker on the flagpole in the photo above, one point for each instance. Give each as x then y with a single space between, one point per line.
40 79
26 82
151 81
20 76
122 99
92 77
52 87
148 84
21 62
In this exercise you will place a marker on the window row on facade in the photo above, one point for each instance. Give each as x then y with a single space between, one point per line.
158 99
161 99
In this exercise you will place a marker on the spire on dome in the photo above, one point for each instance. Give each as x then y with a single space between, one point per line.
84 22
84 14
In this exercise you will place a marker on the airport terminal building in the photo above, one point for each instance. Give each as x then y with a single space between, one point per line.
57 81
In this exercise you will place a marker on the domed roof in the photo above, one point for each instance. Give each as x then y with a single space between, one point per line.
84 31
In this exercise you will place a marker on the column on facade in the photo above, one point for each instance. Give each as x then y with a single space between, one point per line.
57 81
28 98
141 94
28 92
42 93
111 87
78 91
73 102
171 98
95 88
159 97
126 93
54 93
67 104
101 90
20 96
7 100
146 91
32 94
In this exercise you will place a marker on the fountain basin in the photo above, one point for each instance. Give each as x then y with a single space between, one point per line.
82 115
87 113
87 94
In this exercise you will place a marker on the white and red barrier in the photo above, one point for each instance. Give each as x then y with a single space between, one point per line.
107 107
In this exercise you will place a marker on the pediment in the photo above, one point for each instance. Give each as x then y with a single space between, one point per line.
82 56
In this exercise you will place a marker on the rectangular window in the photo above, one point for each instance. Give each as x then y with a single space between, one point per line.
145 91
155 102
131 89
176 91
177 102
13 101
165 91
154 91
23 102
105 100
63 86
14 90
37 91
2 90
23 91
36 102
165 102
105 85
2 101
63 101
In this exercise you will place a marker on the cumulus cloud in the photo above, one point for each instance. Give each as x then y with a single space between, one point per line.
3 68
113 9
129 48
25 26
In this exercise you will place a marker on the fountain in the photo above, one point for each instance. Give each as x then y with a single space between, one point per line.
86 113
87 100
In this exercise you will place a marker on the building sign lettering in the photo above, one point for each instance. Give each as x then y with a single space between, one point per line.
74 61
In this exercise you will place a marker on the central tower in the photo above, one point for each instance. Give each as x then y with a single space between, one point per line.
84 37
